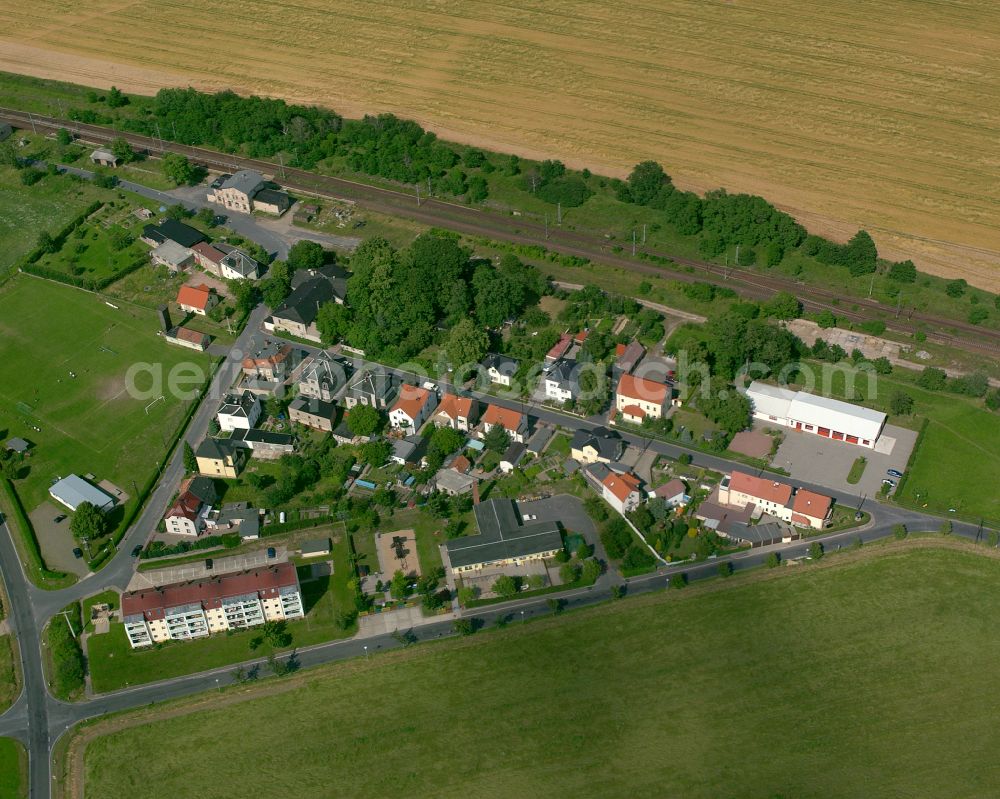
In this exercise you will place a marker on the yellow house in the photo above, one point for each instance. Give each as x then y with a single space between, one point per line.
217 459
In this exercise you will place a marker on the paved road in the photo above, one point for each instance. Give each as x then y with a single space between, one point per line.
38 719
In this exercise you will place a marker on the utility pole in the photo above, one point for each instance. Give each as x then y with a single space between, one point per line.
899 304
546 226
871 287
559 212
418 195
643 232
160 137
66 616
737 255
633 242
174 126
31 119
281 162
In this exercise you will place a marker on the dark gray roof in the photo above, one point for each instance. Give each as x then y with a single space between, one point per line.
502 363
608 443
316 407
503 535
315 545
318 286
514 453
172 230
564 374
239 261
262 436
755 534
204 489
214 448
627 361
274 197
376 383
17 445
240 405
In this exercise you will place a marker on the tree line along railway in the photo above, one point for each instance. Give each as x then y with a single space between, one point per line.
521 230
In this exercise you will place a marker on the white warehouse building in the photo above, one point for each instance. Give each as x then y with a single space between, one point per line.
810 413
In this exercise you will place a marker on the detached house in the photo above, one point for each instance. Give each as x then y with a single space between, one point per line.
239 412
638 398
237 191
322 377
208 257
599 445
172 255
297 314
412 408
269 359
237 265
187 515
514 422
313 412
500 369
374 387
621 491
458 413
561 382
810 509
197 299
673 493
218 458
171 230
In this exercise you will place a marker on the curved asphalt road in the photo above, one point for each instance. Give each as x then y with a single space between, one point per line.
38 719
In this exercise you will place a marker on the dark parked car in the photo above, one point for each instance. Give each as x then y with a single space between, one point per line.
60 518
220 180
272 552
136 550
77 552
894 473
208 563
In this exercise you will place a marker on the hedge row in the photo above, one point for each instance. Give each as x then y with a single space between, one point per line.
87 283
60 238
27 532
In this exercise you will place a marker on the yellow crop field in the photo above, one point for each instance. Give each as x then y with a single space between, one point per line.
876 113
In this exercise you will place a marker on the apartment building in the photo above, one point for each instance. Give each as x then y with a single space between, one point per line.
182 611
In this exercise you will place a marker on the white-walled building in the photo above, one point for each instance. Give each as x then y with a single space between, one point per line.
412 408
638 398
811 413
239 412
181 611
800 507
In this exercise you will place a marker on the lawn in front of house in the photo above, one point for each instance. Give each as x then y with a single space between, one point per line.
762 666
114 664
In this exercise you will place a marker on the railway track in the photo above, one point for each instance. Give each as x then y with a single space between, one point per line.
522 230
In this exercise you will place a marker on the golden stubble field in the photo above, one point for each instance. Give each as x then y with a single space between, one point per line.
880 113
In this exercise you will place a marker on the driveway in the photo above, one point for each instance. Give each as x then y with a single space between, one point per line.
813 459
55 539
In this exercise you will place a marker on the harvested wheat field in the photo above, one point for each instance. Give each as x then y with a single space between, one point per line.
881 113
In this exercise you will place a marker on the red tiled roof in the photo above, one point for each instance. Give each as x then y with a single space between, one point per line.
194 296
812 504
621 485
620 350
411 400
454 406
640 388
461 464
634 410
208 252
559 348
798 518
670 489
507 418
759 488
265 581
581 337
187 334
186 506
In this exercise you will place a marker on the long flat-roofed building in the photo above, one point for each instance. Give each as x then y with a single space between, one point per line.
181 611
811 413
503 539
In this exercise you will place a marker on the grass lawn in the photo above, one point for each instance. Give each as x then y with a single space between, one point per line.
109 597
114 664
25 211
673 694
857 469
87 253
426 528
960 432
9 685
13 769
89 423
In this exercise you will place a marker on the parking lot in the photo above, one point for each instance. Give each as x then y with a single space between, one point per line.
196 570
814 459
563 508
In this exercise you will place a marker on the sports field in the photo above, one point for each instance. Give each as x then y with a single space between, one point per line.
856 677
89 423
849 112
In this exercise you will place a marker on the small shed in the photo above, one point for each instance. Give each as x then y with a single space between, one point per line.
17 445
316 547
103 157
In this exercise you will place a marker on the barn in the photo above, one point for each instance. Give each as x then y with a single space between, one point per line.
810 413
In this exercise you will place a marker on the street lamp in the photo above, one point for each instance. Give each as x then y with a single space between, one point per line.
522 617
366 651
